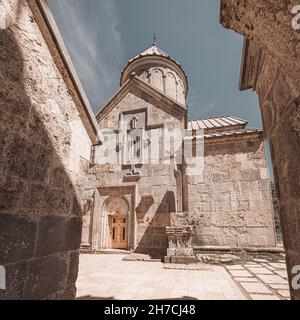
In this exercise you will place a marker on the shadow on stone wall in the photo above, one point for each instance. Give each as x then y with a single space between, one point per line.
154 240
40 217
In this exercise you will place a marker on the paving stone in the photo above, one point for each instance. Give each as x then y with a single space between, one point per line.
281 266
263 297
240 273
235 267
281 273
271 279
254 265
260 260
113 278
246 279
260 271
249 263
255 287
285 293
268 266
279 286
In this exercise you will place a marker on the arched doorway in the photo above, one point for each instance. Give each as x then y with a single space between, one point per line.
117 211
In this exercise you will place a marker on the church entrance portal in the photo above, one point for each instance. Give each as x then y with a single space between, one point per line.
118 231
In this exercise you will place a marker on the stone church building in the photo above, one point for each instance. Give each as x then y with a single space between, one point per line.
52 176
131 202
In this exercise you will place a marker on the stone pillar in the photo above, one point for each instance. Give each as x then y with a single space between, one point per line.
276 81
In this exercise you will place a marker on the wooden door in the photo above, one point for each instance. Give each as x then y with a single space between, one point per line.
118 231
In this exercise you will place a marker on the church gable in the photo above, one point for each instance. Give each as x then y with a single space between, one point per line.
139 100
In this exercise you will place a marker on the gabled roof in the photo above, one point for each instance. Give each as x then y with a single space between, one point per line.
216 124
222 127
141 84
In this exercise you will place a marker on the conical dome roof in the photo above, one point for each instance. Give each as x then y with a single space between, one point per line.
153 50
154 53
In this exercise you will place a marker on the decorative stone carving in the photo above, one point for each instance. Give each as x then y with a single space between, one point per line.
179 235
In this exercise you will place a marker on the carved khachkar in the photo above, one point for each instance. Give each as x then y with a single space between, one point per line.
179 235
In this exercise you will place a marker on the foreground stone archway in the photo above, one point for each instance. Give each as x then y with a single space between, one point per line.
43 161
271 67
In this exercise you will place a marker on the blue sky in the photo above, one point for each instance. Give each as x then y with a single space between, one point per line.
102 35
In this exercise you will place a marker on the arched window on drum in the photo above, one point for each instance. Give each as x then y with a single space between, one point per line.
171 89
157 79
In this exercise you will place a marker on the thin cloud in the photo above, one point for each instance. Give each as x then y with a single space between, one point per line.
90 31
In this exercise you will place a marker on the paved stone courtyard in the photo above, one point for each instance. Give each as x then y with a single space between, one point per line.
107 277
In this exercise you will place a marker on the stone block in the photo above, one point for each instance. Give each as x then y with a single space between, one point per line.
73 268
15 281
47 276
220 176
20 158
73 234
58 234
51 235
17 237
271 279
240 273
59 200
251 175
35 199
11 193
43 162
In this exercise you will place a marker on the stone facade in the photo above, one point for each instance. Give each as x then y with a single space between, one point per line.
276 207
227 205
230 204
155 187
44 152
50 179
271 68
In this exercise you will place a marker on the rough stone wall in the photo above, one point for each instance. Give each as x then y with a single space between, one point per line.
157 186
136 99
44 152
280 105
156 199
276 207
269 25
230 204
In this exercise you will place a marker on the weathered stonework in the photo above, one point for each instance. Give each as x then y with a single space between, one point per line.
44 152
228 205
272 46
50 176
